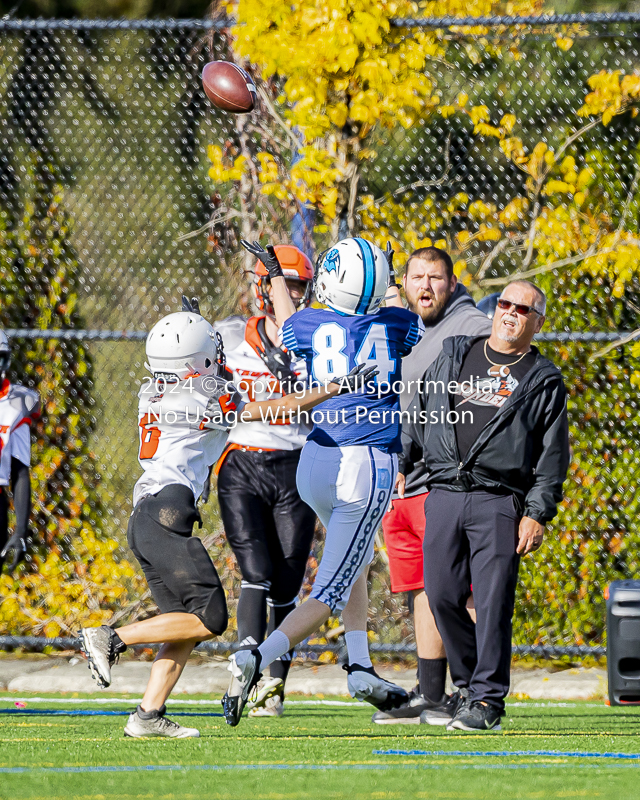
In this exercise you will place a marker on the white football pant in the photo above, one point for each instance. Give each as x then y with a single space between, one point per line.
349 488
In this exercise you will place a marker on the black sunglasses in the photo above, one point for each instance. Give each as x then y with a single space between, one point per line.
520 308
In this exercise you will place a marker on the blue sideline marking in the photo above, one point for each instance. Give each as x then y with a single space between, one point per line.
51 712
298 767
503 753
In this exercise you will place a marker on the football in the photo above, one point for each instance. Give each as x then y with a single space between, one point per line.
229 87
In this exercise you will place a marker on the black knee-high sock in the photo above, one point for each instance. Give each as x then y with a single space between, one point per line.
432 675
280 667
252 616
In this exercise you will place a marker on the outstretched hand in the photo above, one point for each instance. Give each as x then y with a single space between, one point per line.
191 305
18 545
389 254
357 379
268 257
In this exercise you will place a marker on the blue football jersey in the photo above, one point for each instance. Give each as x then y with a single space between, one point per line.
332 344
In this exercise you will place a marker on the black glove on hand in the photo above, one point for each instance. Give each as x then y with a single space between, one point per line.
206 492
357 379
392 275
268 257
276 360
193 306
18 544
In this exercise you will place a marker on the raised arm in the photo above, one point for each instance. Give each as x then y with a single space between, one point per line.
282 302
392 297
307 399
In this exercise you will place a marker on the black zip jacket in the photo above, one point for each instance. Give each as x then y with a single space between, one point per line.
523 450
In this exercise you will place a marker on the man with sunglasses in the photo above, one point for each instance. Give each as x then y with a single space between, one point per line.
490 422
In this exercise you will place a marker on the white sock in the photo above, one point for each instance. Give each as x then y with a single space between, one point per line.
274 646
358 648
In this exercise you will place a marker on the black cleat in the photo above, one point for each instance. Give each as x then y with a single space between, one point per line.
406 714
365 684
476 716
244 667
443 713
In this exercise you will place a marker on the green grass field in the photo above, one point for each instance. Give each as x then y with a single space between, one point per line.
319 751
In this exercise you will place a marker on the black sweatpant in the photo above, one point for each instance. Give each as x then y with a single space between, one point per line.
269 528
471 539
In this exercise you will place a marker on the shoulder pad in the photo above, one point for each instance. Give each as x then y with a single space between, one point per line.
232 331
27 401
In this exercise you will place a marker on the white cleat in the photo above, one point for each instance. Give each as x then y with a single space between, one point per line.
158 725
266 690
245 674
100 648
365 684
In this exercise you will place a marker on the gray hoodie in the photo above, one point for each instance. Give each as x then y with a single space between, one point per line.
460 317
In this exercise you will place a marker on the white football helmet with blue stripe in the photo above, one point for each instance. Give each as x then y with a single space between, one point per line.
352 277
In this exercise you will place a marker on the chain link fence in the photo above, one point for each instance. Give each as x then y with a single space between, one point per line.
115 114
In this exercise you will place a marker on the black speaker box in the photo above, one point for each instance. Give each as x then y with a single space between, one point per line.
623 642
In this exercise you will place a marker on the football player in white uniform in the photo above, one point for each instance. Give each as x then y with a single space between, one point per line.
348 465
19 408
269 527
186 409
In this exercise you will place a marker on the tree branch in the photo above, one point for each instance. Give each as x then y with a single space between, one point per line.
297 143
495 252
625 339
565 262
422 183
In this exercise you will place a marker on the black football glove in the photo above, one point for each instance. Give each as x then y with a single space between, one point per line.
206 492
392 275
191 305
268 257
357 379
276 360
18 544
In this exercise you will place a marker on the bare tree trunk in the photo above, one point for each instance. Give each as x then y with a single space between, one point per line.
344 223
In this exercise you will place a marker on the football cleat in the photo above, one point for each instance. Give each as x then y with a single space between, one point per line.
476 716
406 714
443 713
273 707
244 667
266 690
101 647
157 725
365 684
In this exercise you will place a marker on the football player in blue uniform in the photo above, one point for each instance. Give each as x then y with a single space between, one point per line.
348 465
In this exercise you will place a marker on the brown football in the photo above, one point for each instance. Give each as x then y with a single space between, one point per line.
229 87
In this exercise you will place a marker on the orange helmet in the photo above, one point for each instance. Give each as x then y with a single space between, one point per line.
295 265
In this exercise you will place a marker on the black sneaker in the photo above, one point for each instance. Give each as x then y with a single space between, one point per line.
443 713
102 647
364 683
476 716
408 713
244 667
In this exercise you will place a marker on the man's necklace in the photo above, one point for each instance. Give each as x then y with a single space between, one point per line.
502 365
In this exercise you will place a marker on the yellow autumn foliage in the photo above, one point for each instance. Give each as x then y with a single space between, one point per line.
343 73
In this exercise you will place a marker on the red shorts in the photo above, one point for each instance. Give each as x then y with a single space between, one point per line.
403 528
